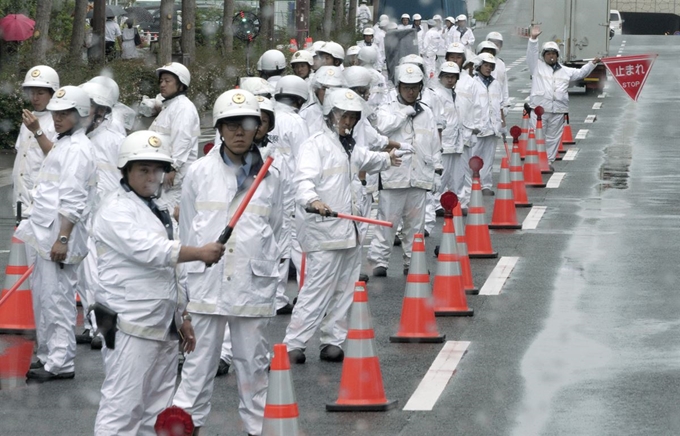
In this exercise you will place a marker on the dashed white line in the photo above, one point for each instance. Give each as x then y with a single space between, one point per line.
437 377
494 283
555 180
597 106
570 154
532 219
582 133
603 95
590 119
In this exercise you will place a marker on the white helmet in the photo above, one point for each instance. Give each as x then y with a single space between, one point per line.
292 86
235 103
412 59
369 31
343 99
494 35
327 76
145 145
450 68
408 73
384 17
450 19
256 86
391 25
353 50
178 70
456 47
41 76
470 58
367 55
550 45
437 17
301 56
271 60
315 46
461 17
417 17
99 94
109 83
487 45
357 77
384 22
266 105
334 49
70 97
486 57
405 16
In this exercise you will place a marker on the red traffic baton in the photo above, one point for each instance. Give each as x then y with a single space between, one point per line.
345 216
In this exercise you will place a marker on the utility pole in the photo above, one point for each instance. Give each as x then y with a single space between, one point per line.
302 21
96 52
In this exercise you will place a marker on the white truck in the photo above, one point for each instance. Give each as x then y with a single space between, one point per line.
581 29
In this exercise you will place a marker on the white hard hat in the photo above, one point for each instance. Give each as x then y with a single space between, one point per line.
41 76
437 17
256 85
550 45
356 76
178 70
109 83
384 17
235 103
408 73
369 31
144 145
70 97
302 56
487 45
327 76
384 23
451 19
417 17
99 94
494 35
334 49
406 16
266 105
367 55
271 60
449 67
343 99
461 17
291 86
456 47
412 59
391 25
315 46
485 57
470 58
353 50
430 22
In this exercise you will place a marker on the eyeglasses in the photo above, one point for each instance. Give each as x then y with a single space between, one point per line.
410 88
247 124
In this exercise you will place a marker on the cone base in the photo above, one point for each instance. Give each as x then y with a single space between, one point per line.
505 226
473 291
536 185
524 204
382 407
558 157
420 340
18 330
568 142
492 255
547 171
453 312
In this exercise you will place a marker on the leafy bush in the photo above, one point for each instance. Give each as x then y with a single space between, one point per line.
485 14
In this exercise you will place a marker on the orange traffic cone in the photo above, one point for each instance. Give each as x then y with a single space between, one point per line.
281 411
476 229
448 292
15 361
543 163
308 42
504 213
532 173
524 137
361 384
461 242
16 312
417 322
293 47
519 190
567 136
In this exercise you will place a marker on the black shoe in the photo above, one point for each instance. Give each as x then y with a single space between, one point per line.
426 233
439 212
464 211
405 271
285 310
488 192
41 375
84 338
222 368
96 343
331 353
297 357
37 364
363 278
397 241
380 271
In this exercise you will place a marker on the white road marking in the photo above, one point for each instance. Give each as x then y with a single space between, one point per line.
590 119
4 251
597 106
570 154
582 133
437 377
618 55
603 95
555 180
525 91
532 219
494 283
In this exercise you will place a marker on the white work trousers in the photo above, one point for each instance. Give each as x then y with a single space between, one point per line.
553 126
405 205
328 289
430 211
453 177
87 283
140 378
54 309
250 362
486 149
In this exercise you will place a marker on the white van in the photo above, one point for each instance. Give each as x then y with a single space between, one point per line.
615 22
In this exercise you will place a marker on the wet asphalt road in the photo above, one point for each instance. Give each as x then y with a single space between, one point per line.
583 338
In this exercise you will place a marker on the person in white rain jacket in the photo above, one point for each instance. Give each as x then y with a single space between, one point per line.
549 84
364 16
179 120
405 22
271 65
380 90
463 34
403 189
55 234
325 78
432 43
501 72
420 33
326 165
123 117
36 134
137 263
240 289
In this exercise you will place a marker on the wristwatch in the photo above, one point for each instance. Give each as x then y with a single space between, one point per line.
186 317
38 133
63 239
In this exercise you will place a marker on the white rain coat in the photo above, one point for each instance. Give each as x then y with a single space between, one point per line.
243 282
466 37
500 73
364 17
452 139
487 107
549 86
432 44
312 114
464 104
106 142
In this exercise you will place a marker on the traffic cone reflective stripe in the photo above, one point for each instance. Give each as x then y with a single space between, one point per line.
524 136
504 213
543 163
476 229
519 190
532 172
281 411
293 46
448 292
361 384
461 243
308 42
417 322
16 313
567 136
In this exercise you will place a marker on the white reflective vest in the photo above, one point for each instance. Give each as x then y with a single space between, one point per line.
486 107
136 263
243 282
106 142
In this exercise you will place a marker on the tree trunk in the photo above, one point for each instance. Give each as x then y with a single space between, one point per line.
165 32
96 51
339 18
41 30
352 13
227 33
267 22
302 21
188 42
327 19
78 34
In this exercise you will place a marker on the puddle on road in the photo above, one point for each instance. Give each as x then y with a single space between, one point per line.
615 170
15 359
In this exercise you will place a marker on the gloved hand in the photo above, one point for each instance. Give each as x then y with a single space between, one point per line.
148 107
408 111
503 130
406 148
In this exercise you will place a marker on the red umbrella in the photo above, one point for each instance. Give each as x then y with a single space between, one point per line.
16 27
